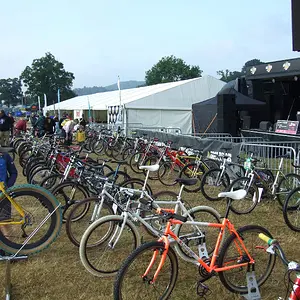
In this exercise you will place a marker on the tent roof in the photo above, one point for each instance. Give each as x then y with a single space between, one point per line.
189 89
239 100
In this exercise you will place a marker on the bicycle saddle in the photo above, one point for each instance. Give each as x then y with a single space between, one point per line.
187 181
234 195
151 168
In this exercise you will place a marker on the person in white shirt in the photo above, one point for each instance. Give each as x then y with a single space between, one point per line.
68 128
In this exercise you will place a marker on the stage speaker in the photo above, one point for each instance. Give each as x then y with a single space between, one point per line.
226 105
246 122
296 24
298 116
265 126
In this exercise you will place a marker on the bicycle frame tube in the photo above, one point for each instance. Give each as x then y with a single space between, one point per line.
209 268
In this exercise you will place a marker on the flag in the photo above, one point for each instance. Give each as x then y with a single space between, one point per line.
89 106
58 101
119 84
39 103
45 104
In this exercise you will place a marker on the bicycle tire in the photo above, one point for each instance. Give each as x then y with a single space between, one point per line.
136 275
282 191
68 200
50 182
188 171
45 202
88 246
163 196
76 229
120 177
232 240
210 233
135 161
212 178
167 174
41 172
239 207
136 183
290 209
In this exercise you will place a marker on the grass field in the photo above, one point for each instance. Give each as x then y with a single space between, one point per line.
57 273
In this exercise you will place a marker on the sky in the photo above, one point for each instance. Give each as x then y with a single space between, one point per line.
100 40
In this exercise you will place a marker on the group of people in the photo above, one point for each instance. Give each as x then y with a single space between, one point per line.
41 125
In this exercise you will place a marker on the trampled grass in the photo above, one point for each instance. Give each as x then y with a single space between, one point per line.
57 273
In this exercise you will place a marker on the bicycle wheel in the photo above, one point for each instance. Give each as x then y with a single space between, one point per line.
42 213
291 210
106 244
68 193
247 204
51 181
193 170
167 173
39 175
213 182
230 254
130 283
135 161
120 177
285 186
75 230
136 183
201 239
153 219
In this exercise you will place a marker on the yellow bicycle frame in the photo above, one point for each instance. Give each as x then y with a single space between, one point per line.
18 208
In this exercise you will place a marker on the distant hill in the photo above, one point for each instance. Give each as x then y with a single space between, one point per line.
100 89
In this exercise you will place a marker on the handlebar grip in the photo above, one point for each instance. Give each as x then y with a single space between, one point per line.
266 239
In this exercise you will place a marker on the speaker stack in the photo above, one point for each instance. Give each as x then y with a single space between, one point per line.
296 24
226 119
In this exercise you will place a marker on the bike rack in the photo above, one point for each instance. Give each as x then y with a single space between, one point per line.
8 260
253 290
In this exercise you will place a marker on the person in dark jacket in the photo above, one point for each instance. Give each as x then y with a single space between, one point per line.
9 180
12 122
5 126
49 125
39 125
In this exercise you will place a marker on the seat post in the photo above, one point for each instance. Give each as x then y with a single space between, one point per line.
146 179
227 208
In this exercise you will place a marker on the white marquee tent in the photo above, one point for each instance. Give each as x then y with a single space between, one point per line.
161 105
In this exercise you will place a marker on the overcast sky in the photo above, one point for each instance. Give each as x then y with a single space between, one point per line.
98 40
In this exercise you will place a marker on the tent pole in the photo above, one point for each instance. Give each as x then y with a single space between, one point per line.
193 124
210 124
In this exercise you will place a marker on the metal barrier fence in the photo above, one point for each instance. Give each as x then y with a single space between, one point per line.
271 155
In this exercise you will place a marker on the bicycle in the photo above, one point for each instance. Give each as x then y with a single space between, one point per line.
146 272
117 235
30 219
292 267
291 210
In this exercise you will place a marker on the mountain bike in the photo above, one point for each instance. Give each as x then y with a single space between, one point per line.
142 272
30 219
292 267
110 239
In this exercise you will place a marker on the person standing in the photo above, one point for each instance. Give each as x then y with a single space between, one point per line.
21 126
39 125
12 121
49 125
5 125
68 129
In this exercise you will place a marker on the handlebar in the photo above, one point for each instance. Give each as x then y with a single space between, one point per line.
276 249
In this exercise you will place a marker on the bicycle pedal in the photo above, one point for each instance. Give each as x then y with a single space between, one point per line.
203 290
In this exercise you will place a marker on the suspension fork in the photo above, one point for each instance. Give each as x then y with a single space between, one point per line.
119 229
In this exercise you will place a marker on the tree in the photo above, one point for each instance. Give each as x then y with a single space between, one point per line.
170 69
228 75
250 63
45 76
10 91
